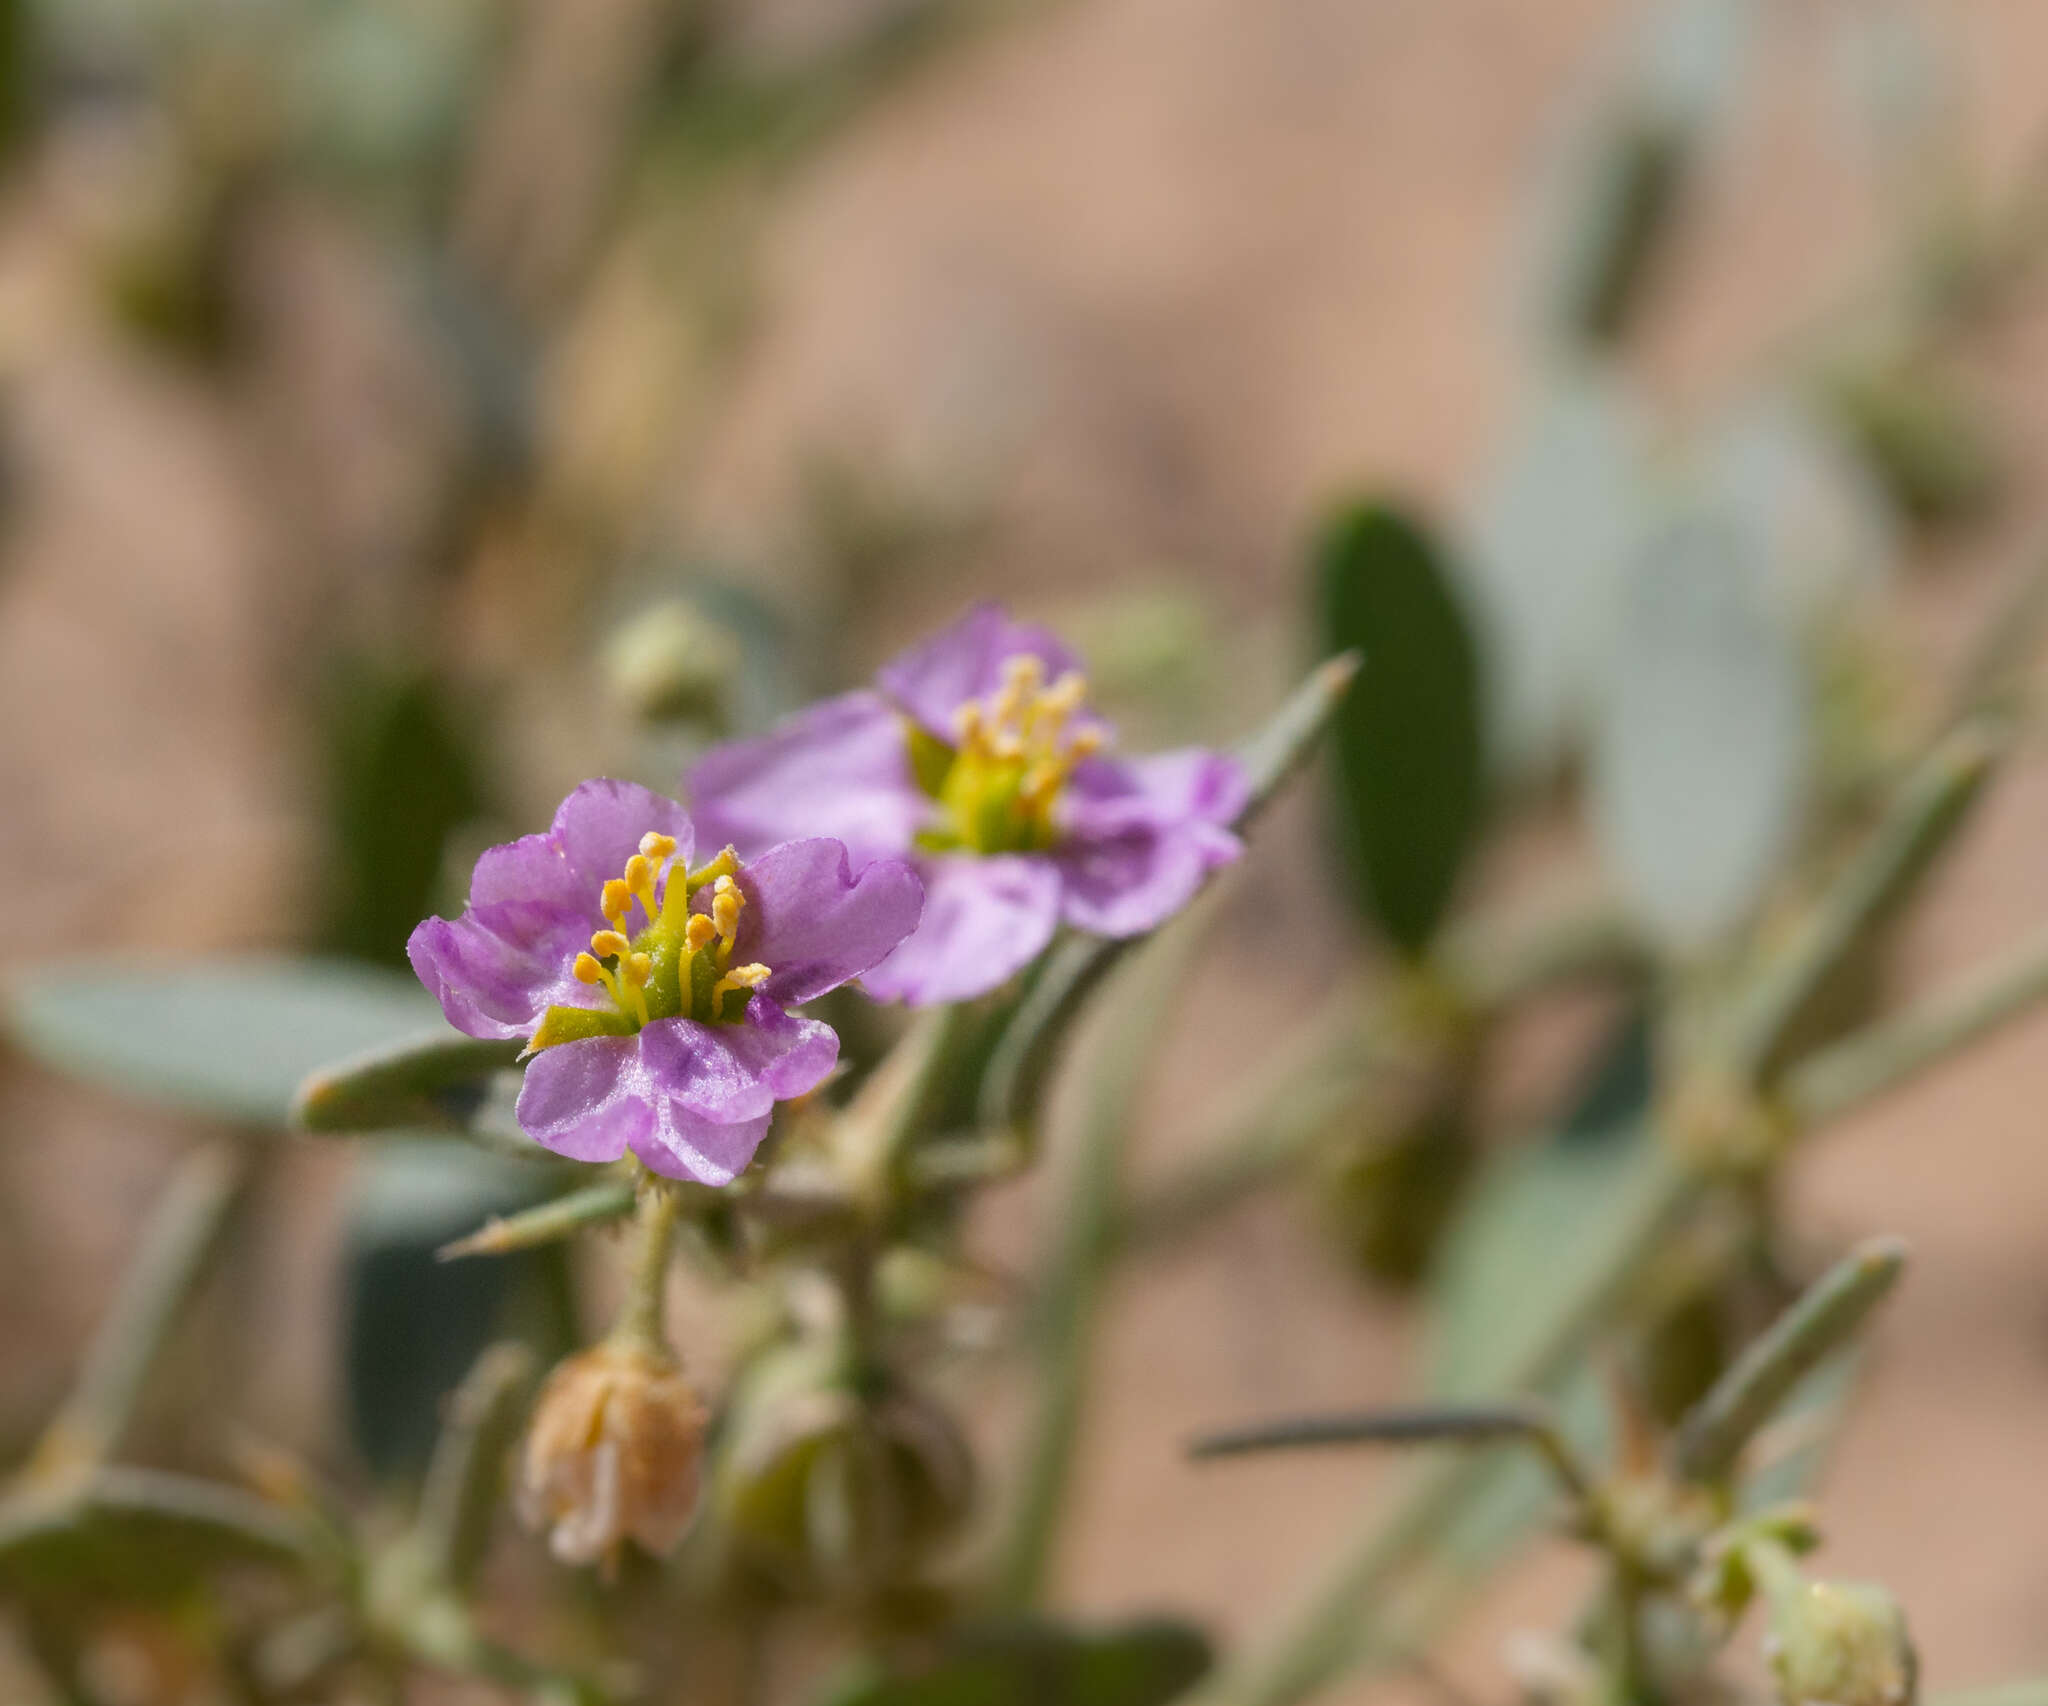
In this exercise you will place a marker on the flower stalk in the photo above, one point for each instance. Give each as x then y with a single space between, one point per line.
641 1323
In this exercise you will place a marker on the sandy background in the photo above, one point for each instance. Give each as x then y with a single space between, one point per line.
1154 277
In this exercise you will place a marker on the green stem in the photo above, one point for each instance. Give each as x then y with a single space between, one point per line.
1071 1297
177 1249
467 1473
640 1321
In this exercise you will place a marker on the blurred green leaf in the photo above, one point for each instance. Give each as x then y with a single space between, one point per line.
1408 741
402 778
231 1039
139 1534
430 1080
1545 545
1042 1664
1702 745
416 1324
1827 532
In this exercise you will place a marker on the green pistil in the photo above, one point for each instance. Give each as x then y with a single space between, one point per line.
679 981
986 808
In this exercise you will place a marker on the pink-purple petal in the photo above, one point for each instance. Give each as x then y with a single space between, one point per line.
1143 837
984 920
681 1146
496 969
587 1100
815 924
726 1073
839 768
933 680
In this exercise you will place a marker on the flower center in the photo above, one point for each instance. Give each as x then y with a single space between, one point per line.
678 965
998 786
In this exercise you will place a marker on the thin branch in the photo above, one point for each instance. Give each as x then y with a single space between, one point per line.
1887 1054
1523 1420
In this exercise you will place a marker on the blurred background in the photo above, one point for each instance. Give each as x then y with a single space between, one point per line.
408 409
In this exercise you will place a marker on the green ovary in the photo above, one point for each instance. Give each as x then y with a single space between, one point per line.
678 966
998 789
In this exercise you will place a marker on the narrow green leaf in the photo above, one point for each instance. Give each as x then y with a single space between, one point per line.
229 1039
1408 743
1920 825
420 1081
1823 1319
546 1223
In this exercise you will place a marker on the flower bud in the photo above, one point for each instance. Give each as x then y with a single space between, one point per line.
669 664
613 1454
1841 1644
823 1480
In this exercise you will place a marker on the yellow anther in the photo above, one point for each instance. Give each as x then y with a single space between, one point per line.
617 899
1023 672
725 911
609 944
1086 743
588 970
741 977
700 932
637 969
1063 698
640 875
656 846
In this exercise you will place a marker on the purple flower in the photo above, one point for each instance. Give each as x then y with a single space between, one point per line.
654 997
976 757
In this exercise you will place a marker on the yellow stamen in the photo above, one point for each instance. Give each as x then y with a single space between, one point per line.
588 970
1016 749
656 846
1024 672
741 977
699 933
640 881
636 969
609 944
617 900
1063 698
